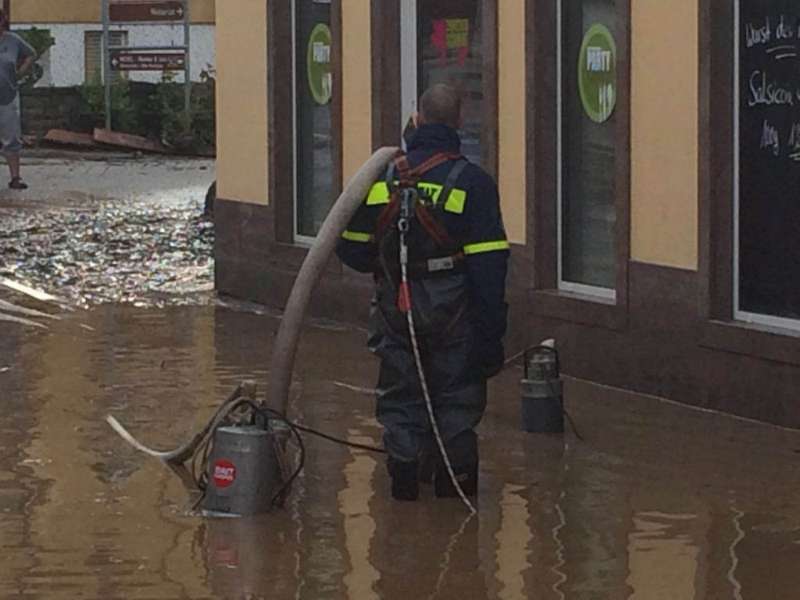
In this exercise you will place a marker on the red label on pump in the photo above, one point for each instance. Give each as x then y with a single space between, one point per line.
224 473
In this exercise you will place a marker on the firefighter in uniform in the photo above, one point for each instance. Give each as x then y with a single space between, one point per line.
457 263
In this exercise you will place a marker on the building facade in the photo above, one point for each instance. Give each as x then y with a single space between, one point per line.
76 26
646 154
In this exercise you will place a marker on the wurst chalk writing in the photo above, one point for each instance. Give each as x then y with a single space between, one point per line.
758 35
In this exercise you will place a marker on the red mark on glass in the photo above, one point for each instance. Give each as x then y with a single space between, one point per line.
439 38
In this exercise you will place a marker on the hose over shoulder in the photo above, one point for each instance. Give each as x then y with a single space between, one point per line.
285 347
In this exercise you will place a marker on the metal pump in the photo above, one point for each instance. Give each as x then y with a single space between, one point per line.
542 391
243 471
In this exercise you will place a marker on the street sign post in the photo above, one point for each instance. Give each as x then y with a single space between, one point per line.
146 58
127 60
144 11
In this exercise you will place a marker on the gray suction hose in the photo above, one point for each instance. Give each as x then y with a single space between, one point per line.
283 353
285 348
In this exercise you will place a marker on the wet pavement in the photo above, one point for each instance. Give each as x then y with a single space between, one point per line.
659 501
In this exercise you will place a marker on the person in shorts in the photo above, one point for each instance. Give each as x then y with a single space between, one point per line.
16 57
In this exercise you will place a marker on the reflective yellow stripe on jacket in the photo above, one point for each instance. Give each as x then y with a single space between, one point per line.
379 194
482 247
357 236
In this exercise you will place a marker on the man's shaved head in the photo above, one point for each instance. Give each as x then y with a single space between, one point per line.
441 104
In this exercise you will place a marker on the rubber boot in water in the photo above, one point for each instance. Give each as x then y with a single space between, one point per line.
463 453
405 479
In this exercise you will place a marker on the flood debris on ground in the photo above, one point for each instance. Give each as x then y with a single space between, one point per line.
146 255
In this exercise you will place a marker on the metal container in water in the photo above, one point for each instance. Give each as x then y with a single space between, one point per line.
243 472
542 392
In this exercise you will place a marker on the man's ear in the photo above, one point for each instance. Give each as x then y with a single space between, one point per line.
416 119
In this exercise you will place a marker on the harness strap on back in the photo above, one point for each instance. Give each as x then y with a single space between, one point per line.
433 162
409 178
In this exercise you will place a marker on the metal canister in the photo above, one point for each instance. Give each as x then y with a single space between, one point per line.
542 392
243 472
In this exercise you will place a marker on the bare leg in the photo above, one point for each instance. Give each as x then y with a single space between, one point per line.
13 165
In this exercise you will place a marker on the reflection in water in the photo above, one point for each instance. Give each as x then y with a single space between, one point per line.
560 559
84 516
359 526
513 540
663 558
737 525
447 555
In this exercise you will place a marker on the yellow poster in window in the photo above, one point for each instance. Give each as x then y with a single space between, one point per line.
457 33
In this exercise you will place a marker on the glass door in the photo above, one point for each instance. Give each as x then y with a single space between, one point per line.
442 42
313 116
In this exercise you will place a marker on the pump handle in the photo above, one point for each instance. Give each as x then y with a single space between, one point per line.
546 349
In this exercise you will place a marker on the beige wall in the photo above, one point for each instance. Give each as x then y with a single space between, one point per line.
356 85
242 100
87 11
511 109
664 105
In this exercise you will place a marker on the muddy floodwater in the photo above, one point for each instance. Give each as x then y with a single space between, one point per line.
657 502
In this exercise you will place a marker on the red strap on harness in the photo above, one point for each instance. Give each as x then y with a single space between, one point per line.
409 178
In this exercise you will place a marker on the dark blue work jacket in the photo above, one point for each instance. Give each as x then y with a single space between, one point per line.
471 216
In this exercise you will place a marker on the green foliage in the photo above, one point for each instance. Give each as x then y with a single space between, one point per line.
197 129
124 112
160 113
41 41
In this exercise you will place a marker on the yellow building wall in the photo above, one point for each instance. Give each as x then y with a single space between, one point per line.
87 11
664 106
511 118
242 156
356 86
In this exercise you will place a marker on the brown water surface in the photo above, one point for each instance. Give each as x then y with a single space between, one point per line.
658 502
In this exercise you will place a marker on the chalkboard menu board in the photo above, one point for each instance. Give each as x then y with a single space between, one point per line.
769 163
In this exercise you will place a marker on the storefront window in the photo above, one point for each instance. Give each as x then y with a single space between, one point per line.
450 51
587 146
767 162
314 193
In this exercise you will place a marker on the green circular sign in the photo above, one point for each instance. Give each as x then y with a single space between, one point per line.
597 73
318 63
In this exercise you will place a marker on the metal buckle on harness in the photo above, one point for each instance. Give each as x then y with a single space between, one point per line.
441 264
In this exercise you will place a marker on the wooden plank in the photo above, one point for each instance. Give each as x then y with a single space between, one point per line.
127 140
70 138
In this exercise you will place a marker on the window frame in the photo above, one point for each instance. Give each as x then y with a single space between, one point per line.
739 314
606 294
281 21
123 34
489 43
723 325
550 295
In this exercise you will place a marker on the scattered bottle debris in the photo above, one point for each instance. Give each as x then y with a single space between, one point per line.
145 254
